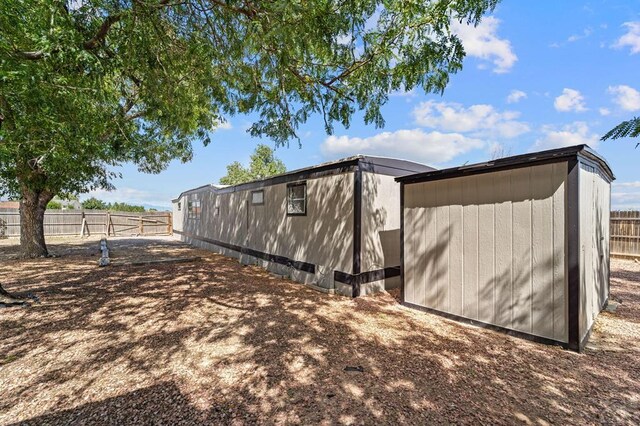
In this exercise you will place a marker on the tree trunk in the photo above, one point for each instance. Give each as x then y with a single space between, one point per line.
32 208
9 299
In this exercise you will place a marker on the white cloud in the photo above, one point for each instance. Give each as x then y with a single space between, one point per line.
634 184
576 133
626 97
585 33
625 200
407 94
482 42
415 144
570 100
604 111
132 196
223 125
480 119
516 96
631 39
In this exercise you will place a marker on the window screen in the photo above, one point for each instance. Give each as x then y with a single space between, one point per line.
257 198
193 209
297 199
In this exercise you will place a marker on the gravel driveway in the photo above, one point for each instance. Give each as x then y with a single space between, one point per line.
214 342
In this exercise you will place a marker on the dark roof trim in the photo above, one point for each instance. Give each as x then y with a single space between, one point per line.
193 190
518 161
379 165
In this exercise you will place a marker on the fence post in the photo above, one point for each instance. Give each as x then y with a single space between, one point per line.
108 225
169 223
84 220
141 225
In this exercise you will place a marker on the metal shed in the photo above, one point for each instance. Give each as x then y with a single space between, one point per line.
519 244
334 226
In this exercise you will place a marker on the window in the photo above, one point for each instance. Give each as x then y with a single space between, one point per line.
297 199
179 206
193 209
257 198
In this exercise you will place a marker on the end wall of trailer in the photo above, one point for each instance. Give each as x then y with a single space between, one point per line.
380 233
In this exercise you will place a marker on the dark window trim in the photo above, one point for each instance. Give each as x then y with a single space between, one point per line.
255 192
306 197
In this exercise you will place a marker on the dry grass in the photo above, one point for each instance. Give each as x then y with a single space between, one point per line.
215 342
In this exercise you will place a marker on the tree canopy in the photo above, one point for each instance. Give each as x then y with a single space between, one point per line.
90 84
628 128
263 163
94 203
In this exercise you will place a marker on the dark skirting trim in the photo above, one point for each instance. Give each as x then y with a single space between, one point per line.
282 260
355 280
508 331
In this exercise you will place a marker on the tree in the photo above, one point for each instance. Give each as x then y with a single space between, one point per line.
54 205
124 207
94 204
263 164
90 84
629 128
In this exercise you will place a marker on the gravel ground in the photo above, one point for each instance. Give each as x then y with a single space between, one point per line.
215 342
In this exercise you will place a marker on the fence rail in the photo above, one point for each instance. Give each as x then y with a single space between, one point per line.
91 222
625 233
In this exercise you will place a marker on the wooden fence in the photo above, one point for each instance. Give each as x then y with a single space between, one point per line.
625 233
91 222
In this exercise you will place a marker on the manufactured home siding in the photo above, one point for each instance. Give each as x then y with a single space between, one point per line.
491 247
324 236
380 224
594 244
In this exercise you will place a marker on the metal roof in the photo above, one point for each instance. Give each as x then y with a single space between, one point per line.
373 164
517 161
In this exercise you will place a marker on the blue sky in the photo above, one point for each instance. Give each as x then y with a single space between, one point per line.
537 75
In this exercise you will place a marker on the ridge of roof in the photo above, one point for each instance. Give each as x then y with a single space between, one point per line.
515 161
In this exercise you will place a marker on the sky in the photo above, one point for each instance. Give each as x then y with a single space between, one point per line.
537 75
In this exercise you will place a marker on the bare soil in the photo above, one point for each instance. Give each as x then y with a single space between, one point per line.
215 342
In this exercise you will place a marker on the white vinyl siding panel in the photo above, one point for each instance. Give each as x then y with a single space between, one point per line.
491 247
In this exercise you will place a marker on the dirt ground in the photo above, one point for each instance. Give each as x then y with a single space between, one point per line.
214 342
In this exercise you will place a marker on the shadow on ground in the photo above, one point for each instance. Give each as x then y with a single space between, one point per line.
213 341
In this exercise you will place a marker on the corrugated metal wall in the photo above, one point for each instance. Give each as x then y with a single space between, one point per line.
491 247
594 244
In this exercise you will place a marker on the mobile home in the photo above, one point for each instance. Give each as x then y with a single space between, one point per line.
334 227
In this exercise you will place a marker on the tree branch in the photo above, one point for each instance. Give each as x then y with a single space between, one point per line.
97 39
